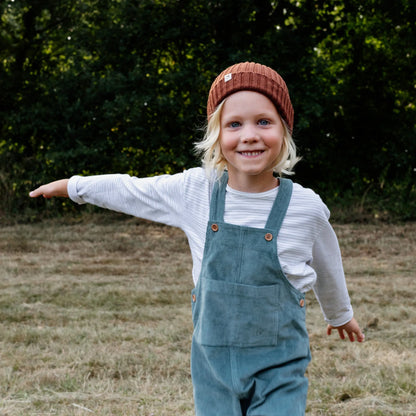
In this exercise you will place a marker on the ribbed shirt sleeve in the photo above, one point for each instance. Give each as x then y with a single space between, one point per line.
158 198
330 287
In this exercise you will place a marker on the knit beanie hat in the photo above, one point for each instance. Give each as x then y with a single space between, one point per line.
253 77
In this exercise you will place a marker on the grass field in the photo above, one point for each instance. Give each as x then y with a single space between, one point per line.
95 319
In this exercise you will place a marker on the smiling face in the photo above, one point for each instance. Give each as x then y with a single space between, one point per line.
251 139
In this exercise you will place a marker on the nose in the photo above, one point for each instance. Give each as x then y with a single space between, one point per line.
249 134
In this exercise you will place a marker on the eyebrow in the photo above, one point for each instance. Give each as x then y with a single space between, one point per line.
257 116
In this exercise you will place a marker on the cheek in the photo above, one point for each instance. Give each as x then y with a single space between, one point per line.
281 151
226 143
277 143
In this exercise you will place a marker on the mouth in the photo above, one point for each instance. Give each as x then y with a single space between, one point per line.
252 154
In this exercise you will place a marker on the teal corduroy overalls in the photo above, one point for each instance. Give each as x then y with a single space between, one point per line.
250 347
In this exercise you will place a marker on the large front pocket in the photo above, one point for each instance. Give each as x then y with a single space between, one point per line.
235 315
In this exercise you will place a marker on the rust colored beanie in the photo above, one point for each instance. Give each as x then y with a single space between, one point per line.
253 77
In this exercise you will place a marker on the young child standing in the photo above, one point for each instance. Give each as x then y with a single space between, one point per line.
258 241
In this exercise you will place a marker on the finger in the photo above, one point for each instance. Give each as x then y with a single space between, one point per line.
341 333
360 337
351 336
329 330
35 193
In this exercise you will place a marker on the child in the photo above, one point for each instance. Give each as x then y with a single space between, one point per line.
258 243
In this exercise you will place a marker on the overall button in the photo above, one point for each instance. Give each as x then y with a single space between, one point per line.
214 227
268 237
301 303
193 298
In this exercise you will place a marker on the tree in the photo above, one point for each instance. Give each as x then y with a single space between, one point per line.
105 86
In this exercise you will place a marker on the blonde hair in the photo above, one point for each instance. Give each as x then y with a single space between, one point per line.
213 160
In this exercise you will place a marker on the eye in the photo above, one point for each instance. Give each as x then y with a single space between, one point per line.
263 122
234 124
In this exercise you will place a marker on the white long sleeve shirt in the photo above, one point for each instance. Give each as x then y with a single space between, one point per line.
307 246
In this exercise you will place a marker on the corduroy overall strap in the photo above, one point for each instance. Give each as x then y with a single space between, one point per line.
216 211
277 213
280 205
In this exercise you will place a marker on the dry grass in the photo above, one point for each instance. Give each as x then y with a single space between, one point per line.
377 377
95 319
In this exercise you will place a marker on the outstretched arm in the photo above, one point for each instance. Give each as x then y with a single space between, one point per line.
57 188
351 328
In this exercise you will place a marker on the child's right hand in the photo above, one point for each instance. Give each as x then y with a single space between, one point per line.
56 188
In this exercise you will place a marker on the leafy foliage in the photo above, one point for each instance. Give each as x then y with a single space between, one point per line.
121 86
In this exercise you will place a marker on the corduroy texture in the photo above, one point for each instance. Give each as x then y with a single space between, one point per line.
253 77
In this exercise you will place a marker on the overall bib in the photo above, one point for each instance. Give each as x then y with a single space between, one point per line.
250 347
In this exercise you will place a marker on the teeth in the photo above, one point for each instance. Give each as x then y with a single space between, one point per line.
251 153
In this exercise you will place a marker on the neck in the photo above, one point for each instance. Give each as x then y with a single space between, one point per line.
253 184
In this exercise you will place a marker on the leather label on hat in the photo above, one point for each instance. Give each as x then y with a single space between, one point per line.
228 77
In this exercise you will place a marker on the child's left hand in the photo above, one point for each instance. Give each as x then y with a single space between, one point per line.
351 328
